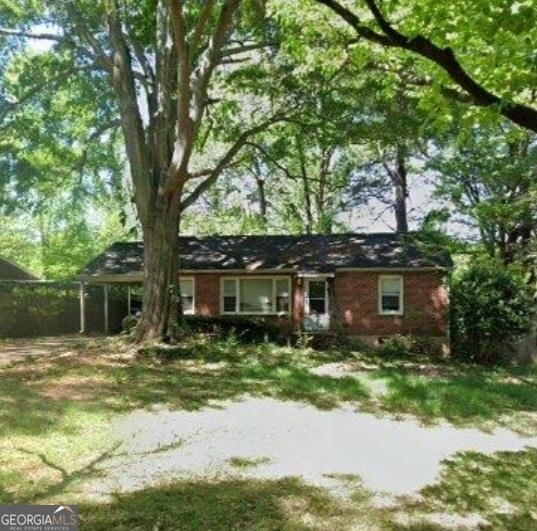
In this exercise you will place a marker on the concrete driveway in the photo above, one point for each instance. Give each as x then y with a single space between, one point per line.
284 439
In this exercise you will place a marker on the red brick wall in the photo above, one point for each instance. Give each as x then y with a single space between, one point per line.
424 304
207 295
354 303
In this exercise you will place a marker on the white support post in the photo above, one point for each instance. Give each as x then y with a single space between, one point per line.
105 287
82 308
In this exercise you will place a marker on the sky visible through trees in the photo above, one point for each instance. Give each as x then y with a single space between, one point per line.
126 119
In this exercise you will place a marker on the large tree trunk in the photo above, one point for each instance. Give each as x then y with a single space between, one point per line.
161 132
305 186
161 268
261 193
399 180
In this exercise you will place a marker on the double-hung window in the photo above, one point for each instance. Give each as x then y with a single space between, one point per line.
260 295
391 295
186 287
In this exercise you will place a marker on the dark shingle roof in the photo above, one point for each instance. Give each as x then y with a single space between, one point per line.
305 253
11 271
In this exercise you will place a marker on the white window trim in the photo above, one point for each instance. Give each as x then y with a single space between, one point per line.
193 280
237 294
401 296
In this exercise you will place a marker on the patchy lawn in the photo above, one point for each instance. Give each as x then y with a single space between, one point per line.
69 425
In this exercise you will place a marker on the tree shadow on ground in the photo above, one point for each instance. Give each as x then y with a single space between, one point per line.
34 397
476 397
97 377
501 488
49 488
286 504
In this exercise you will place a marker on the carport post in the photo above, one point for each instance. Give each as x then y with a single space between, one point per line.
105 287
82 308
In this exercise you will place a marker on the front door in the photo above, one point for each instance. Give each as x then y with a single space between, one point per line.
316 308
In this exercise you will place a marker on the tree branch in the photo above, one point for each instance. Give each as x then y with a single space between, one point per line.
209 60
122 80
243 49
201 26
520 114
31 35
226 160
274 161
348 16
184 142
147 69
201 173
162 100
87 36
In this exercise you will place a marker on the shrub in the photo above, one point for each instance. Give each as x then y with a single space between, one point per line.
246 329
33 308
397 346
128 323
491 307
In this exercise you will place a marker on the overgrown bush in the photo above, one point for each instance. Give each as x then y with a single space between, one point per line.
247 329
34 308
401 346
491 306
128 323
397 346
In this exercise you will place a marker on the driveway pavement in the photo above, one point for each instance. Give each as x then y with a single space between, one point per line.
282 439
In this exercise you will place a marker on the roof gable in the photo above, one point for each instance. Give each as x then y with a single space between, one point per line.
11 271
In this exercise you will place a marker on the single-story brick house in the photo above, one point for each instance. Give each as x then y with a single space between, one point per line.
368 286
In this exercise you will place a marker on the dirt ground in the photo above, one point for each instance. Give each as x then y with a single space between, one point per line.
12 350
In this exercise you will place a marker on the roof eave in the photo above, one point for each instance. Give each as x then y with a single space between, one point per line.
112 278
395 268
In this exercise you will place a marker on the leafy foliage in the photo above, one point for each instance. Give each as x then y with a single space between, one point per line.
491 306
468 50
61 171
488 176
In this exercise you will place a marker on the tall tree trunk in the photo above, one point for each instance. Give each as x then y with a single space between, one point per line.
305 186
262 200
185 55
399 180
325 216
261 193
161 268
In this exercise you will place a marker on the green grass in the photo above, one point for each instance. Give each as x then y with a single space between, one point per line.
502 486
469 395
247 462
55 415
286 505
501 489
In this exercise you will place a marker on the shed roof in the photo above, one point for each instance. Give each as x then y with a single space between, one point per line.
11 271
302 253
